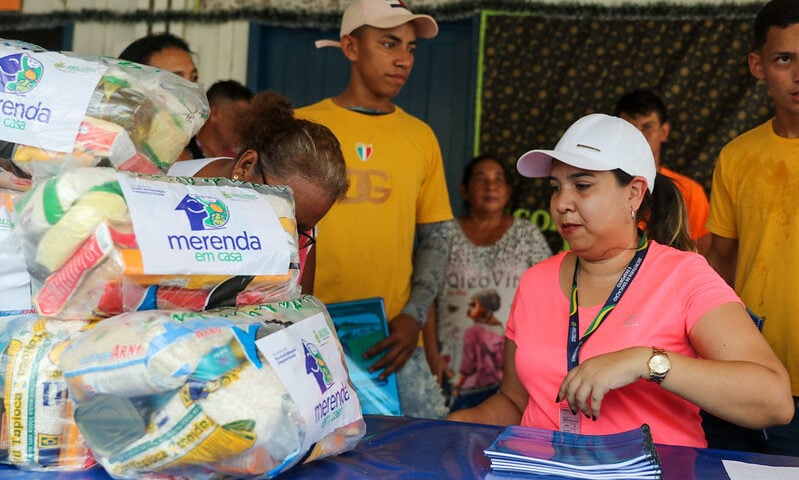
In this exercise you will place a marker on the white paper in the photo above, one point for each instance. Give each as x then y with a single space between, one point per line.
751 471
44 97
205 229
306 358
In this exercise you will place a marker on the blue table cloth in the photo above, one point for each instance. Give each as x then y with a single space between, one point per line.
403 448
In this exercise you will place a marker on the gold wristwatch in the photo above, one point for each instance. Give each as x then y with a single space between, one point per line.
659 365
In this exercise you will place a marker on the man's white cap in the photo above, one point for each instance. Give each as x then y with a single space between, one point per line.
596 142
381 14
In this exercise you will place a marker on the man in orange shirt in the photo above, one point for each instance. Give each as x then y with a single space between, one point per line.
645 110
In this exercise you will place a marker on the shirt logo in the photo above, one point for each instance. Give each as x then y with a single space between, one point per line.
364 151
204 213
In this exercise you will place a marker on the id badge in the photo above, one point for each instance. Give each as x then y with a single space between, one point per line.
569 422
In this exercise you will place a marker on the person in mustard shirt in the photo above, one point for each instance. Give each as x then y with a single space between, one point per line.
753 214
644 109
397 196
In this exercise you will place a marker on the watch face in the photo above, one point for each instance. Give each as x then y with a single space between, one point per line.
659 364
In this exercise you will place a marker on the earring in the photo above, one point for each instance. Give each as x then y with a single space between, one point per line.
235 177
632 213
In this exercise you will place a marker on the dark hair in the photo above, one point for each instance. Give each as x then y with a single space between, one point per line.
142 49
664 212
228 90
641 102
468 170
489 299
288 146
776 13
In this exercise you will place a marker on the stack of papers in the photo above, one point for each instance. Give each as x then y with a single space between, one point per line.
625 455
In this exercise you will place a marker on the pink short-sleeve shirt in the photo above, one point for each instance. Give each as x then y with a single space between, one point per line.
670 293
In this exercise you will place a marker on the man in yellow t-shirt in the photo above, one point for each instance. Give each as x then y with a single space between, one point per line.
644 109
398 195
753 214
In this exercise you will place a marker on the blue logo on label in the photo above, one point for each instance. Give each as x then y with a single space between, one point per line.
20 73
204 213
316 366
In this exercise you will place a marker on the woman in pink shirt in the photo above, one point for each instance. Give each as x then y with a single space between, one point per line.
652 335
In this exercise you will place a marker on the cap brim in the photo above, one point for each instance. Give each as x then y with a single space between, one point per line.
535 163
538 163
327 43
426 27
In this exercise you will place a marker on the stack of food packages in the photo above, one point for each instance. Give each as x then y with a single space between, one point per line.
151 324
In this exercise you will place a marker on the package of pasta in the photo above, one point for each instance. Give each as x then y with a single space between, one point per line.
38 427
99 242
63 110
237 392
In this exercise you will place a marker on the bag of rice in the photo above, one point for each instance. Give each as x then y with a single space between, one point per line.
262 389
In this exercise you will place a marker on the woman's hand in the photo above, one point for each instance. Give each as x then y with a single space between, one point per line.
439 366
586 385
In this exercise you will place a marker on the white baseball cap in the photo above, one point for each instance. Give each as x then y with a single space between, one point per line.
381 14
596 142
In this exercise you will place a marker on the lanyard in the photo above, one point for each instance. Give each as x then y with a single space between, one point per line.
573 347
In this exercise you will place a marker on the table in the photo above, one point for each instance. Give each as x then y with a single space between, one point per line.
403 447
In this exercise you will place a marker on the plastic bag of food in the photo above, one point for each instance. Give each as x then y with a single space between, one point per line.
63 110
245 393
99 242
15 282
39 431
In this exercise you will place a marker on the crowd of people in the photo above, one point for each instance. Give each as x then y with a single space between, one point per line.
485 322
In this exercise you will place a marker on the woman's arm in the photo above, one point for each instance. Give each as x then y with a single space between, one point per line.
738 377
507 405
438 366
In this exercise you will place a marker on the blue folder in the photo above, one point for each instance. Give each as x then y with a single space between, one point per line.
359 325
